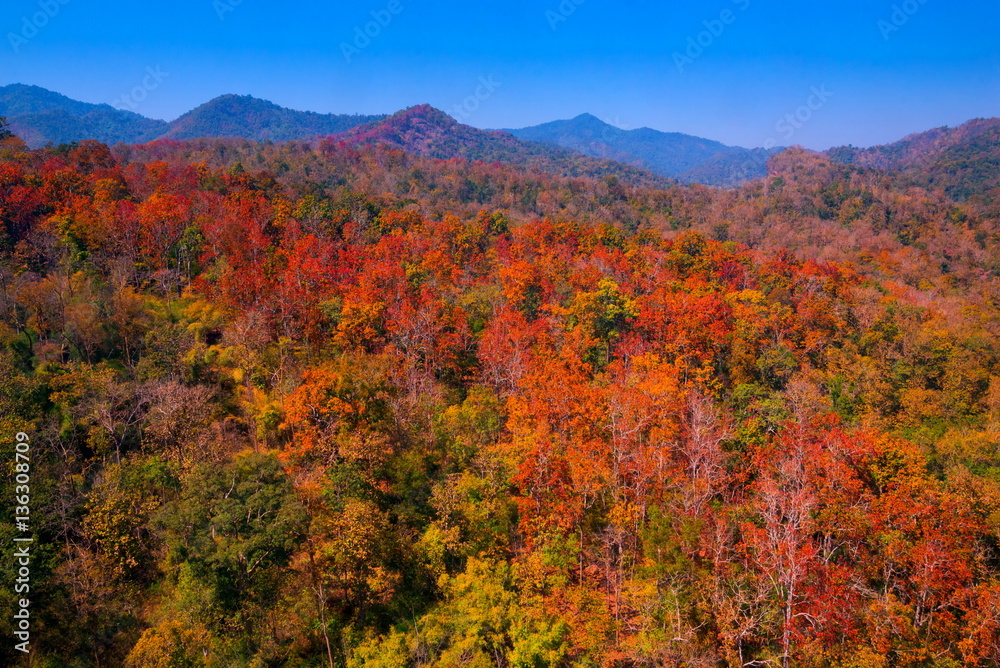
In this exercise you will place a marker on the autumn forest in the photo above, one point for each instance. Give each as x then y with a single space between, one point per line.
343 405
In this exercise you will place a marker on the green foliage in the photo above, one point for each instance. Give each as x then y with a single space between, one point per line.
120 509
235 529
482 622
5 132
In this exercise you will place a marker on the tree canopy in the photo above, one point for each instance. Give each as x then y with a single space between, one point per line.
314 405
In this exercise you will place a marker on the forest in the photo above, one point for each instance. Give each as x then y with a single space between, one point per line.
307 404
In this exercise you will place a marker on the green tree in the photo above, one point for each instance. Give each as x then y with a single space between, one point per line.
484 622
235 528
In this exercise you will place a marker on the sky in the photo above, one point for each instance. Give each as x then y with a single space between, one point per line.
744 72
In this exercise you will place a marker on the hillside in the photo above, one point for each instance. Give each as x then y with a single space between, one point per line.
584 146
963 161
250 118
425 131
20 100
672 154
40 116
809 206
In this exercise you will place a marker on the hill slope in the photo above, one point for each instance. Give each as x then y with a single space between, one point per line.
40 116
19 100
963 161
429 132
250 118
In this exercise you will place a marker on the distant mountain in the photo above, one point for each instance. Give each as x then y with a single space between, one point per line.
683 157
250 118
963 161
429 132
40 116
20 99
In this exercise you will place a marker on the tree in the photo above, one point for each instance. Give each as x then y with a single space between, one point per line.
782 548
235 528
9 140
170 644
484 621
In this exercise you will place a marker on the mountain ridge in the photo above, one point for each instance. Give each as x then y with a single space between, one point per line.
40 116
247 117
964 161
672 154
914 146
430 132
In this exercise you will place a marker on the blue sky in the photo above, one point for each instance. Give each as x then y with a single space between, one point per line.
885 68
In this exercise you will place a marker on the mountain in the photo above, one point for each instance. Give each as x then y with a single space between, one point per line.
582 147
916 150
250 118
963 161
672 154
40 116
20 100
429 132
